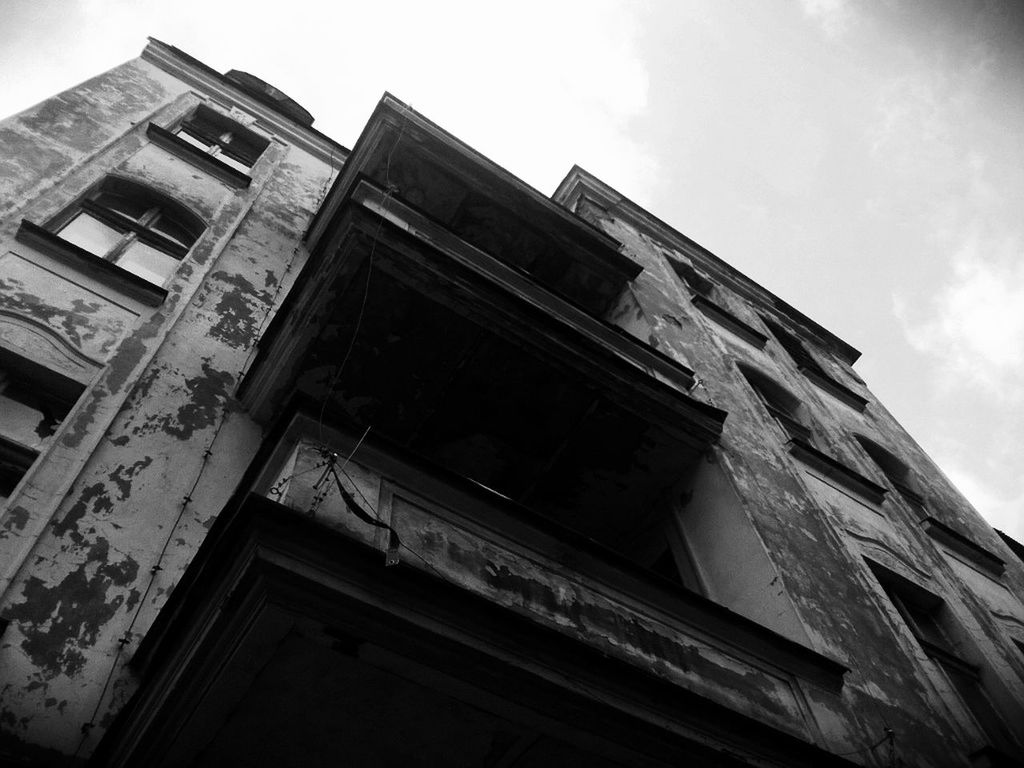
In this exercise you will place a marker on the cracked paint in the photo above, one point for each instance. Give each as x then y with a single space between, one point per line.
61 620
237 319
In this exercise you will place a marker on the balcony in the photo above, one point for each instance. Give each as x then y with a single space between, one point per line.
288 630
492 369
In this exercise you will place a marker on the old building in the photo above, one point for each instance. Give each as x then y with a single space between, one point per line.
317 456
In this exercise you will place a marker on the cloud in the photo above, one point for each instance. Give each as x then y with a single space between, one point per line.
1004 511
834 16
974 326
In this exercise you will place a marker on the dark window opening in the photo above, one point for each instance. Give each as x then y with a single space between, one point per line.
780 404
33 403
697 282
929 621
671 558
897 472
794 348
136 228
223 138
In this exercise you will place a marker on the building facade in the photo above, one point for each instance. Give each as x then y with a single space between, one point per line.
316 456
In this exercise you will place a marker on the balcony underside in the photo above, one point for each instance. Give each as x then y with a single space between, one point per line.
482 204
485 382
288 644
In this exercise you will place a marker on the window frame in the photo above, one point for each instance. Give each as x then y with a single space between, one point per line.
899 474
207 148
927 618
781 405
54 397
704 295
806 363
107 266
222 135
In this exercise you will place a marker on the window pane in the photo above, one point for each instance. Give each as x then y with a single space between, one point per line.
195 141
147 262
173 231
237 165
90 233
131 206
24 422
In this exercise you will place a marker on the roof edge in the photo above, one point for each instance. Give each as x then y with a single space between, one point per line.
578 179
193 72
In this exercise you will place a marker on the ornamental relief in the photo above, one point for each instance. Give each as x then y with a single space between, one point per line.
36 342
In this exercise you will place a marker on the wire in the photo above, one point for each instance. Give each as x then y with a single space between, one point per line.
401 544
126 637
389 190
889 736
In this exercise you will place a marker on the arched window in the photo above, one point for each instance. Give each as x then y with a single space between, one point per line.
783 406
898 473
138 229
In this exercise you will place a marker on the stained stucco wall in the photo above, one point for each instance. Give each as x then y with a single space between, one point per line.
155 445
815 533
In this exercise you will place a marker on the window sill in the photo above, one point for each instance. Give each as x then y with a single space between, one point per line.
730 322
834 388
977 555
911 496
197 157
89 264
837 471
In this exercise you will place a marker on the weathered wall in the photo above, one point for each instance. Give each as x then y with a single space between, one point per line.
106 521
155 445
817 534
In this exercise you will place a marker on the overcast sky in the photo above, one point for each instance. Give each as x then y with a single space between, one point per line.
863 160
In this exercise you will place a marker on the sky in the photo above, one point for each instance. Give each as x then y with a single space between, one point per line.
862 160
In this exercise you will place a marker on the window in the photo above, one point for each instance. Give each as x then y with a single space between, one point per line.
929 621
222 138
780 404
33 403
134 227
699 284
812 369
898 473
794 348
710 301
667 554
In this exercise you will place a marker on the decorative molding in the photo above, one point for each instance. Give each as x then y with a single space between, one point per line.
882 548
1007 618
40 344
977 555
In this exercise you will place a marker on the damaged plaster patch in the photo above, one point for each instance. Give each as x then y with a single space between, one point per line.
237 323
122 476
73 437
15 520
77 326
206 395
94 498
60 622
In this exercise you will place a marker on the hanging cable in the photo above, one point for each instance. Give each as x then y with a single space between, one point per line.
389 190
128 635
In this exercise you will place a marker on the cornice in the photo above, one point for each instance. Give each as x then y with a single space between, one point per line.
195 74
581 183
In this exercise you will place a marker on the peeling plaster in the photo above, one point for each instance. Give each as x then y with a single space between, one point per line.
62 621
237 322
15 520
